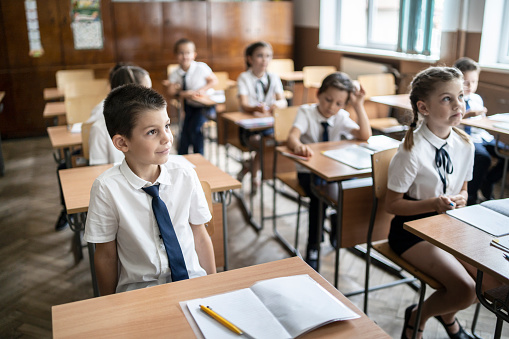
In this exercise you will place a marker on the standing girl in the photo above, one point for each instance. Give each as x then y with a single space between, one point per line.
429 175
326 121
259 93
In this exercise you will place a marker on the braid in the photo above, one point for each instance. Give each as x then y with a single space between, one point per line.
409 136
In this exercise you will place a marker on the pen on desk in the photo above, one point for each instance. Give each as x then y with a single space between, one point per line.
221 320
506 256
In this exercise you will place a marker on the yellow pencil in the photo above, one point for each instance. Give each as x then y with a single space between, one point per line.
221 320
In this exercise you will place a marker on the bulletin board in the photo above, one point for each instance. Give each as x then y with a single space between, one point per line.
86 24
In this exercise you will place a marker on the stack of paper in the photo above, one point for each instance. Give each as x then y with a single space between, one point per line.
354 156
276 308
256 122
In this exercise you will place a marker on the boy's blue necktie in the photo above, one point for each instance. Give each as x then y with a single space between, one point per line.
468 129
184 87
171 243
325 135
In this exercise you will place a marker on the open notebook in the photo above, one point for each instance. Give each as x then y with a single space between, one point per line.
276 308
490 216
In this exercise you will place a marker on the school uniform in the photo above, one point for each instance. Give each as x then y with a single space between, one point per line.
309 122
415 173
120 210
96 112
483 177
195 113
101 148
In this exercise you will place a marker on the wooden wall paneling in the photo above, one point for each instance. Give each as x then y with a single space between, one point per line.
277 28
14 20
4 61
74 57
306 52
186 19
138 31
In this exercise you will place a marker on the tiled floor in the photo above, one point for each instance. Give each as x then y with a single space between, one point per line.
37 268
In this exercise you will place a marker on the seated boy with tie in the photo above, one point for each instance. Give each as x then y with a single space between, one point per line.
146 215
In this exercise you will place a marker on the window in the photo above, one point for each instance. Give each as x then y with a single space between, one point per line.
387 27
495 35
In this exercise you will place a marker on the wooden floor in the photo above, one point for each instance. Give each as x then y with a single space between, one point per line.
37 268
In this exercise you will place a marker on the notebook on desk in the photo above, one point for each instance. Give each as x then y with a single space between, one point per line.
276 308
490 216
256 122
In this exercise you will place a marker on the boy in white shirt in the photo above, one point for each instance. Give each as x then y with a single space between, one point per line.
123 222
191 80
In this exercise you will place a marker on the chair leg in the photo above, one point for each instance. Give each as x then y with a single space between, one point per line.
296 245
474 321
366 278
419 309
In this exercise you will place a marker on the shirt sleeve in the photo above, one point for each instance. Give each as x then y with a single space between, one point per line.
242 85
278 85
402 170
205 69
199 212
175 77
301 122
470 164
347 124
102 217
98 148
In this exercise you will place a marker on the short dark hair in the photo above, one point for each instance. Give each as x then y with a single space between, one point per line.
125 104
337 80
253 47
128 75
466 64
180 42
116 67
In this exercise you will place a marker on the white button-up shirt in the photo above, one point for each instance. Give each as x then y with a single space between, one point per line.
119 209
248 84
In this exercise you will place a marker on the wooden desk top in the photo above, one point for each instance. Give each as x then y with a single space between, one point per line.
292 76
464 242
52 93
486 124
397 100
77 182
61 137
325 167
235 117
155 311
53 109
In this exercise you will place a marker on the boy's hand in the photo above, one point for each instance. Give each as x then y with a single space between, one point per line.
303 150
358 95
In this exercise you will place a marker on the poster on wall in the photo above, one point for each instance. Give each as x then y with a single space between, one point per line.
34 36
86 24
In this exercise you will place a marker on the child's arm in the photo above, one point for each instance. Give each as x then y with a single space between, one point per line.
395 204
204 248
211 82
460 200
294 144
106 267
357 102
280 102
259 110
172 88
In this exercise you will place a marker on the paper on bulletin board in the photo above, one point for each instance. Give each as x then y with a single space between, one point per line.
86 24
34 36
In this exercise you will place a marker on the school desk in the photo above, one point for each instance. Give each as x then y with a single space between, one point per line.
155 312
397 100
62 140
236 118
501 134
331 171
53 93
54 110
291 78
77 182
467 243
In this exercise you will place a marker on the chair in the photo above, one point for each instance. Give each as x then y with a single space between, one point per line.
78 109
171 68
215 225
378 114
283 120
224 81
85 137
281 66
63 77
380 165
313 77
86 87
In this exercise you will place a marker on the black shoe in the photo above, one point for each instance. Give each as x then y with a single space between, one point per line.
461 334
312 258
407 326
61 222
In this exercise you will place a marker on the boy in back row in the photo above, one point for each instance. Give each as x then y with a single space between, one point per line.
147 215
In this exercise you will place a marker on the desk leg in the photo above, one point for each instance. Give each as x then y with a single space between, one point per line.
506 160
494 307
222 197
339 231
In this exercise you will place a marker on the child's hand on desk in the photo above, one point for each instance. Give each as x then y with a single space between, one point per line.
443 204
303 150
261 110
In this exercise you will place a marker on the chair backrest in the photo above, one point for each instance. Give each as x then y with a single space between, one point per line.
380 169
314 75
85 137
208 194
223 81
171 68
283 121
378 84
231 99
65 76
86 87
279 66
78 109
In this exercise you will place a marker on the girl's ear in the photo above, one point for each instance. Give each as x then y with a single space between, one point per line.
120 142
422 108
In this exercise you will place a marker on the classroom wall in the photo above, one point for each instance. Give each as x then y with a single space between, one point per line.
142 33
461 36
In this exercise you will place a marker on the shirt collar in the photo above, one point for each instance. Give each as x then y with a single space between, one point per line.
432 138
181 72
321 118
136 182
